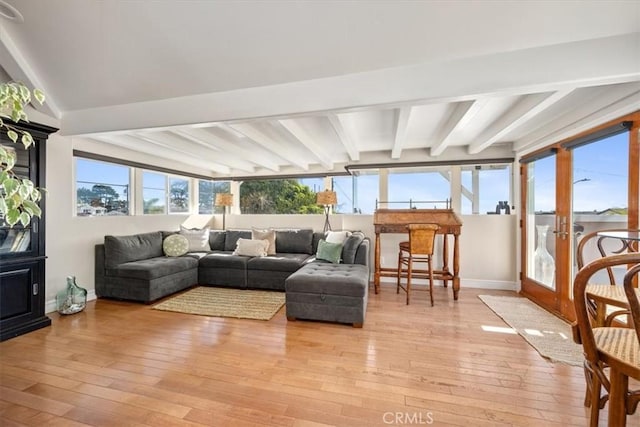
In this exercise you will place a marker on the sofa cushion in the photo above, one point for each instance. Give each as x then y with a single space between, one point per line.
153 268
121 249
232 236
337 236
329 279
216 239
279 262
295 241
224 260
350 247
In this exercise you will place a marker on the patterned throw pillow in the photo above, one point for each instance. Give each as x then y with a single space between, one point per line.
329 251
175 245
337 236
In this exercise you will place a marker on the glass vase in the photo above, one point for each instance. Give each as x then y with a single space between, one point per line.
545 265
73 299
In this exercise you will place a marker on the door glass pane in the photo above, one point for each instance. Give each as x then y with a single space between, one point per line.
600 191
541 215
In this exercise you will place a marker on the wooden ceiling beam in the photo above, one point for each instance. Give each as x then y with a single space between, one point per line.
303 137
402 116
344 137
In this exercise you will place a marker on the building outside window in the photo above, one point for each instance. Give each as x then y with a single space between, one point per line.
101 188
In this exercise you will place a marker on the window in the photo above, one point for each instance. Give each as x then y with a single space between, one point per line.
484 187
101 188
278 196
178 195
422 188
343 186
154 193
207 191
366 189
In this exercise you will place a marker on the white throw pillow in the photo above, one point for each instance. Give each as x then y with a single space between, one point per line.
250 247
269 235
198 239
337 236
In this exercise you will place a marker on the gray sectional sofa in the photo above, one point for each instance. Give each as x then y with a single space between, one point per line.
135 267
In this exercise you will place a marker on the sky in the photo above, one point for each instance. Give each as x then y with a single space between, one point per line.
600 176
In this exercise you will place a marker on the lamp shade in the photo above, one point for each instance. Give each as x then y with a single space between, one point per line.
326 198
224 199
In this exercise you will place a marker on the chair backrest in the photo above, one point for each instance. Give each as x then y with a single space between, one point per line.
422 238
606 246
581 302
632 296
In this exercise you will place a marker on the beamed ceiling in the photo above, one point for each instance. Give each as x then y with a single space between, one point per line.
234 89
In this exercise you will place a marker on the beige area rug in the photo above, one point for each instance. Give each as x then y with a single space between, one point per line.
222 302
549 335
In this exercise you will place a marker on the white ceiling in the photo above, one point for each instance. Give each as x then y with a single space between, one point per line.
230 88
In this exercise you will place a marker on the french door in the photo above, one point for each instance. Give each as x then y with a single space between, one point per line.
583 184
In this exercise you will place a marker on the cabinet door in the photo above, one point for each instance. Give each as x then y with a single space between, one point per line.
22 298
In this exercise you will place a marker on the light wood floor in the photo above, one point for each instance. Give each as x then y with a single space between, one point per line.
120 364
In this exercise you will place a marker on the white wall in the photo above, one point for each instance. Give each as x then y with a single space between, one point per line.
487 244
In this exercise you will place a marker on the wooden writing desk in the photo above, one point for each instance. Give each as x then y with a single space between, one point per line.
396 221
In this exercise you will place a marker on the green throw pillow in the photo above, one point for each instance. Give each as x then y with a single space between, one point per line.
329 251
175 245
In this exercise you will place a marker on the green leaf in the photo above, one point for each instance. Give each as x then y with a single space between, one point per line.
27 139
25 219
32 208
28 185
10 186
24 191
12 217
13 135
3 152
25 94
37 93
3 205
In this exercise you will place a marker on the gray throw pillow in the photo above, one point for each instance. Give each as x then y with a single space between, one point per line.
329 251
350 247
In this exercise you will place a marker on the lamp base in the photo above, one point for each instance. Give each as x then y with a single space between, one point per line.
327 225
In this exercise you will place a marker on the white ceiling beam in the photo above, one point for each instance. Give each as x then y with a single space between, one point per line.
611 111
308 141
462 114
578 64
402 122
526 109
19 70
142 145
566 123
344 137
177 145
259 137
230 159
228 148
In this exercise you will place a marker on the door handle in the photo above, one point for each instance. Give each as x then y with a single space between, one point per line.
561 227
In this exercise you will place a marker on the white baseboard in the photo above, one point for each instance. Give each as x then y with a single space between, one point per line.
468 283
50 305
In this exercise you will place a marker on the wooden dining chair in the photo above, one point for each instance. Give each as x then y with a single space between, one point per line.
612 354
419 249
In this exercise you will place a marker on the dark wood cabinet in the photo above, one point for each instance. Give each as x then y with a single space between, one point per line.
22 250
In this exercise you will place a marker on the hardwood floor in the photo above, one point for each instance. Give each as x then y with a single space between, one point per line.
121 364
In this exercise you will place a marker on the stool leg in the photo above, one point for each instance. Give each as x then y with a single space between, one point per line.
399 272
409 267
430 279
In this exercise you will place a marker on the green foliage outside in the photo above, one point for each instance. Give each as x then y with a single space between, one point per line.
282 196
19 197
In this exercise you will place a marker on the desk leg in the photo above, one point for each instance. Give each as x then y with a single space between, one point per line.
456 267
376 263
445 258
617 397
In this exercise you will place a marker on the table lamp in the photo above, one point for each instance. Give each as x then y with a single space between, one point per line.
224 200
327 199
